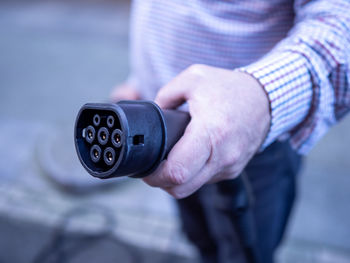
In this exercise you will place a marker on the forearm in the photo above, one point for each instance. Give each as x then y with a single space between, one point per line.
306 76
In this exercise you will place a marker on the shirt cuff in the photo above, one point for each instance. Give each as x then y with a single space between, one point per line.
285 77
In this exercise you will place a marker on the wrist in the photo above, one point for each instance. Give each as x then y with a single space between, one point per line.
261 100
285 79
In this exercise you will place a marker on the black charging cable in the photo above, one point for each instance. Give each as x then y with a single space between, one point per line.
65 245
237 202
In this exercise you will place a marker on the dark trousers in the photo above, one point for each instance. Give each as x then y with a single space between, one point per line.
272 177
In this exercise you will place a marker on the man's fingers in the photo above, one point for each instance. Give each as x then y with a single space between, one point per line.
188 188
202 177
186 159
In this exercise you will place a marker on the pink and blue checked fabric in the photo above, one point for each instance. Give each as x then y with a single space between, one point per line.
298 50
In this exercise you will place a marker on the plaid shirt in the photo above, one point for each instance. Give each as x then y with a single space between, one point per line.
299 52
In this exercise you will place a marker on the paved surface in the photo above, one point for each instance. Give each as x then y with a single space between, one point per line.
55 56
125 214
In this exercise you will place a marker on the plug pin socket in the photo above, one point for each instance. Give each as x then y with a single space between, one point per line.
116 138
97 120
103 136
110 121
95 153
109 156
90 134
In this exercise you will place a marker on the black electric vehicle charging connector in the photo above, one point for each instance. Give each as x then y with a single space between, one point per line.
131 138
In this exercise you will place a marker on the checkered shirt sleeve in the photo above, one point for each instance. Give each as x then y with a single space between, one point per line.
306 76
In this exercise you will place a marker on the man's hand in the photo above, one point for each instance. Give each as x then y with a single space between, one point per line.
229 120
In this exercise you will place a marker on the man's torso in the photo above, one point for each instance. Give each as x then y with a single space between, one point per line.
169 36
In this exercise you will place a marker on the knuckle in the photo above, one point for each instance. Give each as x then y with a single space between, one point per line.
219 135
177 174
197 69
227 151
177 193
231 159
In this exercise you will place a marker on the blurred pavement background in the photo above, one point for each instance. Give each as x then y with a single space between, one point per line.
56 56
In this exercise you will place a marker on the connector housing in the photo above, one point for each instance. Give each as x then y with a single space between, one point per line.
139 139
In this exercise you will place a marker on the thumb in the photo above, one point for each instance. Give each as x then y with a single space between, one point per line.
170 97
174 94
